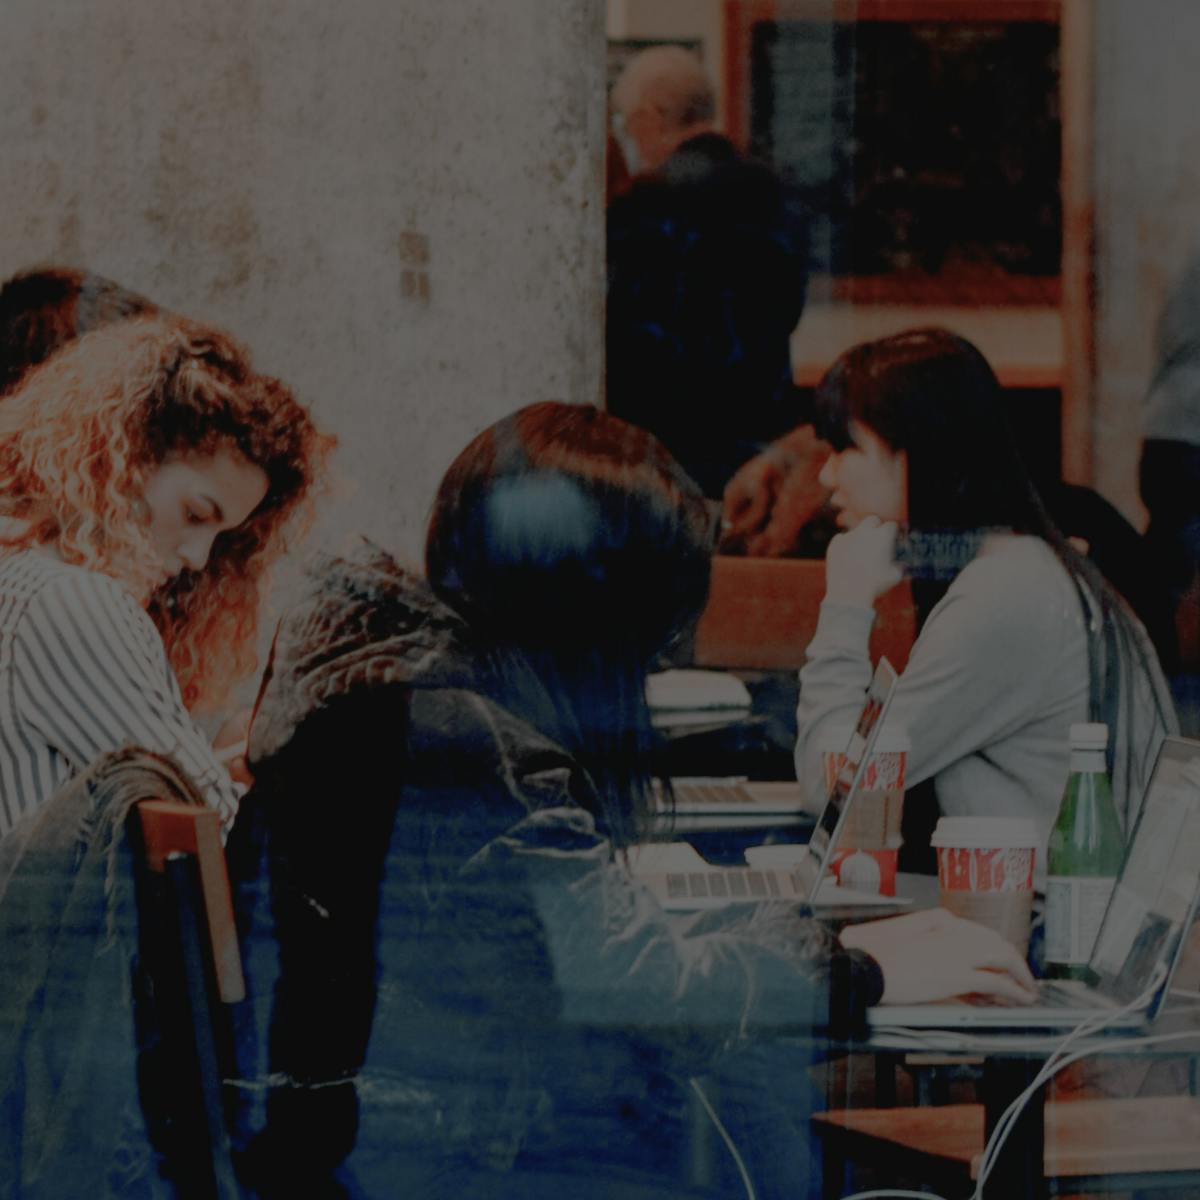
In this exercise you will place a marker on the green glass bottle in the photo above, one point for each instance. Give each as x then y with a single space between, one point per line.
1083 857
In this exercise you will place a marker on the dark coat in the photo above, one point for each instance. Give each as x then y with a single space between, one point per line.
470 982
707 271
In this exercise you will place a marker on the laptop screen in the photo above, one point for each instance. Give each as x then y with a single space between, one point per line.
840 795
1152 906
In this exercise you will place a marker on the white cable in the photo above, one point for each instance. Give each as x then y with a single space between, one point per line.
1092 1024
1049 1068
733 1150
893 1194
1054 1063
1123 1044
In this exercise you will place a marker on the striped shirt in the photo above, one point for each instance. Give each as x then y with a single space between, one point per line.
83 671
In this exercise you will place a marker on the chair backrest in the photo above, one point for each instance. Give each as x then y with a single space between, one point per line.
172 828
762 614
190 952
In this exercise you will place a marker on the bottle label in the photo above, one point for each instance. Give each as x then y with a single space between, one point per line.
1075 907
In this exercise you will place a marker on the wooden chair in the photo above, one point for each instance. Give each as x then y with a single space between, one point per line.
762 614
189 949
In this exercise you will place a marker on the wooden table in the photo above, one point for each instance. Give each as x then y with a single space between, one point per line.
1115 1144
1090 1145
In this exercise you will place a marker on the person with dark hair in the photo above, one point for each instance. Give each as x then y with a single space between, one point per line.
476 996
1020 635
43 309
1169 478
707 256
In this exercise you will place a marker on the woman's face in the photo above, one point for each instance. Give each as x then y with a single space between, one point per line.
868 478
190 498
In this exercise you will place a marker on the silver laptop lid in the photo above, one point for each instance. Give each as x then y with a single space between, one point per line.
1153 904
845 787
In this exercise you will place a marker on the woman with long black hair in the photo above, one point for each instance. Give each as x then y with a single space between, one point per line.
1020 636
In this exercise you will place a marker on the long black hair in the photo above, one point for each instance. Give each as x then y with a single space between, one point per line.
578 550
933 395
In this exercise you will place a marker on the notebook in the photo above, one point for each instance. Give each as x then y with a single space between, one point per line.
1144 929
716 886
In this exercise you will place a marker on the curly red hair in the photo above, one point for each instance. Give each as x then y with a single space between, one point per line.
80 437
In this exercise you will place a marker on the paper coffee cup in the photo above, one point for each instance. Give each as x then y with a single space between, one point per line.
874 816
985 871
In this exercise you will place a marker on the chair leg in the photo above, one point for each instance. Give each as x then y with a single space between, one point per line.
835 1164
185 893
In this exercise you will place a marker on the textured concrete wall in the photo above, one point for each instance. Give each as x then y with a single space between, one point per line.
397 203
1147 216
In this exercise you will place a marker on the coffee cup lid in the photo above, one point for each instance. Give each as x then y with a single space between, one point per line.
986 833
891 739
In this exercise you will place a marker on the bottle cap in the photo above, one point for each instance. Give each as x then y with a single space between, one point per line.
1089 735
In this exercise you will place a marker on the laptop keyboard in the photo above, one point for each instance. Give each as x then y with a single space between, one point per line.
710 794
1052 993
1056 994
735 883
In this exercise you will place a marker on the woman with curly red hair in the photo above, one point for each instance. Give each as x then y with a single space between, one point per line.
147 478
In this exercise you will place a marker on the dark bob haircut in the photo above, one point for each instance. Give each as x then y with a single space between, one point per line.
563 527
577 550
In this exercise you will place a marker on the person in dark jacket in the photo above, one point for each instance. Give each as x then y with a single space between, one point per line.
475 995
707 271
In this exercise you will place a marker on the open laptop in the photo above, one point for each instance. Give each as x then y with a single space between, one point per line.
1144 929
734 802
717 886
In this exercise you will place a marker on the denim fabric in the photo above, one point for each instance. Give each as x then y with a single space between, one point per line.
71 1120
472 996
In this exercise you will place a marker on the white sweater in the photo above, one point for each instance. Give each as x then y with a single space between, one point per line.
995 680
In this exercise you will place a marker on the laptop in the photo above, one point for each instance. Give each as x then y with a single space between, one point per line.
714 887
1144 929
729 796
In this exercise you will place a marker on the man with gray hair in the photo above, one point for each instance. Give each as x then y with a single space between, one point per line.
707 267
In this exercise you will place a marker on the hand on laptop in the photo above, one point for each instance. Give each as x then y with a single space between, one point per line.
934 955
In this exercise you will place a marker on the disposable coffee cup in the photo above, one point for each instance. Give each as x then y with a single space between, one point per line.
985 871
874 817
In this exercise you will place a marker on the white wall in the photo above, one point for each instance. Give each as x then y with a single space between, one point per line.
277 166
1147 216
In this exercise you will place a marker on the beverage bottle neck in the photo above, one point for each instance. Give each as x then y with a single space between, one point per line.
1088 761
